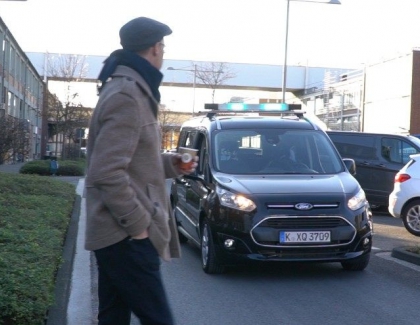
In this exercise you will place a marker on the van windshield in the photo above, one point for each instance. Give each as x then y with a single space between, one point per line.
275 151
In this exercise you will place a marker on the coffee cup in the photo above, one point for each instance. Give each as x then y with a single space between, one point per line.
187 157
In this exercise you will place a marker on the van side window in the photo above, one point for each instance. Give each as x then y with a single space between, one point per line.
355 146
186 138
202 153
391 150
397 151
181 138
189 142
407 150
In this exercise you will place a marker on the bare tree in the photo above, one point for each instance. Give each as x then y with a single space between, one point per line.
14 139
71 67
214 74
169 122
67 116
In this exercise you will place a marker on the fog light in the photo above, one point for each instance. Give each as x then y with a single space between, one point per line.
229 243
366 241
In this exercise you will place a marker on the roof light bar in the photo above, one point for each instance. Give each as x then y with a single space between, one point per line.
235 107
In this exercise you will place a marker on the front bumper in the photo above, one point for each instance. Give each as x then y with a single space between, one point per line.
261 243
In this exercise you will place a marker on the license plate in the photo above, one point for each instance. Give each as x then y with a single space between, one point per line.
305 236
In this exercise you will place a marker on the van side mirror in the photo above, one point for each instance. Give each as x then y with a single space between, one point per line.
351 165
193 177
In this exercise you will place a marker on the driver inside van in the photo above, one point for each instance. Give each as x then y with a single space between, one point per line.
228 158
228 151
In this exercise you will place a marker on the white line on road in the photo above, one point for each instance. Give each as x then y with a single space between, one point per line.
387 256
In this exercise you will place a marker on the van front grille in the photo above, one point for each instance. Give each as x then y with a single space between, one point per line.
303 222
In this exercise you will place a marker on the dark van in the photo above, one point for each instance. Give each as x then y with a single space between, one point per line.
378 158
269 186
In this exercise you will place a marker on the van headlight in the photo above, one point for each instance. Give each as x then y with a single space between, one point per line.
235 201
357 201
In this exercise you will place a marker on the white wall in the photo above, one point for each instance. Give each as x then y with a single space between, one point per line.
87 92
388 96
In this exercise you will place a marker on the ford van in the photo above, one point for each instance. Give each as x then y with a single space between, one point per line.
270 187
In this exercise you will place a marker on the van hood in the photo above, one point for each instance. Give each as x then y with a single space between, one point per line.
286 184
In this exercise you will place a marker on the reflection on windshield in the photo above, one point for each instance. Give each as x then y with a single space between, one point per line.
275 152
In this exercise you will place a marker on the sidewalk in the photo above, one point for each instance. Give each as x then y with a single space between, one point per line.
83 295
12 168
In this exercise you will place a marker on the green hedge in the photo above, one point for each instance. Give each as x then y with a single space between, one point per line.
66 168
34 216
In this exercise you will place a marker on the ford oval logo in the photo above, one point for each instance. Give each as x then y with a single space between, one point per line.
304 206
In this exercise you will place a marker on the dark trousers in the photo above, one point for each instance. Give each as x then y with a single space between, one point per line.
130 281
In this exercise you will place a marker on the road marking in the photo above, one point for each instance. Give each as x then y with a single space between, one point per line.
376 248
387 256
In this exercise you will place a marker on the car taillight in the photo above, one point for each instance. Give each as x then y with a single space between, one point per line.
401 178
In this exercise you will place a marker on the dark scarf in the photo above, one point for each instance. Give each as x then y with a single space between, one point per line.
150 74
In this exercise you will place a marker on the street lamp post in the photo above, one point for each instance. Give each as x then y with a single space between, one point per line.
194 81
331 2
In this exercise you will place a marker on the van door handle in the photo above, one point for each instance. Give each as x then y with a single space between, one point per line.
380 165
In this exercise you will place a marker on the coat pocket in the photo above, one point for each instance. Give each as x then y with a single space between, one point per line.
159 231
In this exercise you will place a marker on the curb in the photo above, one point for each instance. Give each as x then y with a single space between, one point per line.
57 313
402 254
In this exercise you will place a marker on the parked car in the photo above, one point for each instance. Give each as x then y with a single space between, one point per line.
404 201
378 158
269 187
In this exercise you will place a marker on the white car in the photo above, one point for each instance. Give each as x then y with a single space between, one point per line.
404 201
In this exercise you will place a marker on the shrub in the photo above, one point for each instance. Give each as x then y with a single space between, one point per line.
38 167
66 167
35 213
71 168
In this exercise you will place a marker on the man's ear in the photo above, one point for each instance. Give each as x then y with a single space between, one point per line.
156 49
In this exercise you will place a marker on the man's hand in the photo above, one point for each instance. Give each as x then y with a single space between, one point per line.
178 162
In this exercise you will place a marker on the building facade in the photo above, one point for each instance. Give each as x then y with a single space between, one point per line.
384 97
21 96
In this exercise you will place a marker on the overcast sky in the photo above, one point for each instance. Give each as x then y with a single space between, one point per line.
243 31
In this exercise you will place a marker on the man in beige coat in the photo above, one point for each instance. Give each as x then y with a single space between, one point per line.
130 225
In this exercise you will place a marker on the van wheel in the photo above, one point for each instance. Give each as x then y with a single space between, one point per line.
411 217
208 256
356 264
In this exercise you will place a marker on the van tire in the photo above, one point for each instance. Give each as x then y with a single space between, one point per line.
209 260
